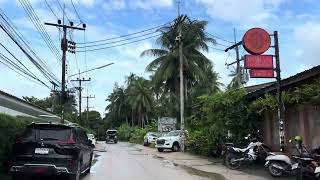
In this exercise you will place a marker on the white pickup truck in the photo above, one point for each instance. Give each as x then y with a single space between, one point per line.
172 140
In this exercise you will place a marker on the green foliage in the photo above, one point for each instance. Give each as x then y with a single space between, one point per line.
199 143
213 116
124 132
308 93
135 134
10 128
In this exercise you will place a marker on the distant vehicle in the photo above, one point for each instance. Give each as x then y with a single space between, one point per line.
111 136
52 149
149 138
92 138
172 140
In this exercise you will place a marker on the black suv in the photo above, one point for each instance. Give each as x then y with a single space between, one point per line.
111 136
52 149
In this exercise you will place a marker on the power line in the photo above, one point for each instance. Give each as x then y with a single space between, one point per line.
42 31
122 36
121 44
112 42
51 9
217 37
63 10
75 10
19 70
218 49
17 37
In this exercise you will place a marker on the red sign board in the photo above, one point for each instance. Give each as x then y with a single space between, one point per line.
265 73
258 61
256 41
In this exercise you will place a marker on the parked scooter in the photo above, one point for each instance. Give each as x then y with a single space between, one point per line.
278 163
255 151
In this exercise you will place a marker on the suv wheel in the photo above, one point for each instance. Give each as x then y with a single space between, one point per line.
76 176
89 168
160 149
175 147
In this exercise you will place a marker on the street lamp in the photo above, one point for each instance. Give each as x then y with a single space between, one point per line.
100 67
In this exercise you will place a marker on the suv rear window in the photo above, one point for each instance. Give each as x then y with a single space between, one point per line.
47 133
111 132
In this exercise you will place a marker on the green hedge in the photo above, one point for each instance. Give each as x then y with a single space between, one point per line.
135 134
10 128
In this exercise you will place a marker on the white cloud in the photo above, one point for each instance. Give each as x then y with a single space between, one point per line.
306 38
151 4
244 11
114 5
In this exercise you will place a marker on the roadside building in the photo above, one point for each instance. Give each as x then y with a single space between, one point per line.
302 119
15 106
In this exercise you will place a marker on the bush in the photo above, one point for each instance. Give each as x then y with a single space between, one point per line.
135 134
10 128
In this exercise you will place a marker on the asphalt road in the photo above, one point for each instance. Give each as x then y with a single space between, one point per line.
124 162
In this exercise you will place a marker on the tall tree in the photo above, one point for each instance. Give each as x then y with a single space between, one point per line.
140 99
166 65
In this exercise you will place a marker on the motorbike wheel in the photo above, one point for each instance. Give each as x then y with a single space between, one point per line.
275 172
230 161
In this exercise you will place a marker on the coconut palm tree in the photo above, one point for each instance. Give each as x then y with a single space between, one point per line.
165 67
140 98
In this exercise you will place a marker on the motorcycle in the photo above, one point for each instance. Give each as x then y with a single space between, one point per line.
255 151
303 164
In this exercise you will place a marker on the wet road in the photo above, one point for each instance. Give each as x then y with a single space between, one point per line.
124 162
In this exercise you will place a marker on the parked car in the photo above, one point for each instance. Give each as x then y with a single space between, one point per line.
172 140
111 136
52 149
92 138
149 138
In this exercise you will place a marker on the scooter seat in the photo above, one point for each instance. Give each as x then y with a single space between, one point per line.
239 149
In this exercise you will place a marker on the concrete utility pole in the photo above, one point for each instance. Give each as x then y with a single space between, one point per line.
279 99
80 98
64 48
88 97
237 55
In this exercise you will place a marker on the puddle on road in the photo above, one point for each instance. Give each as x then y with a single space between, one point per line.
197 172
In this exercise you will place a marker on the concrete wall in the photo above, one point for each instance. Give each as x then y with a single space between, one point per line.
14 106
303 120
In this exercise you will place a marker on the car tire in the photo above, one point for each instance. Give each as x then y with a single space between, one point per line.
115 142
175 147
160 149
77 174
89 169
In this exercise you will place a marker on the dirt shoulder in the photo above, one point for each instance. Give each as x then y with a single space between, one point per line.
212 168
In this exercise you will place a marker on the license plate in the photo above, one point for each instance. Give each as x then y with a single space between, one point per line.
317 170
41 151
295 166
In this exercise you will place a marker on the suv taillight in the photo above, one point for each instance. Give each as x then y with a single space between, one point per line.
70 141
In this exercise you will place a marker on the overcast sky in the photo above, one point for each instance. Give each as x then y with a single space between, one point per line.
297 21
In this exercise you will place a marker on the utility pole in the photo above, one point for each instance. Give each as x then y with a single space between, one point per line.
79 88
279 99
237 56
179 40
64 48
88 97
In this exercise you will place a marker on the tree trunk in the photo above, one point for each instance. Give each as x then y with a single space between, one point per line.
127 121
131 117
142 119
147 118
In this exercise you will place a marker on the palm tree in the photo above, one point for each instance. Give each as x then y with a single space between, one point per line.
165 67
235 82
140 98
